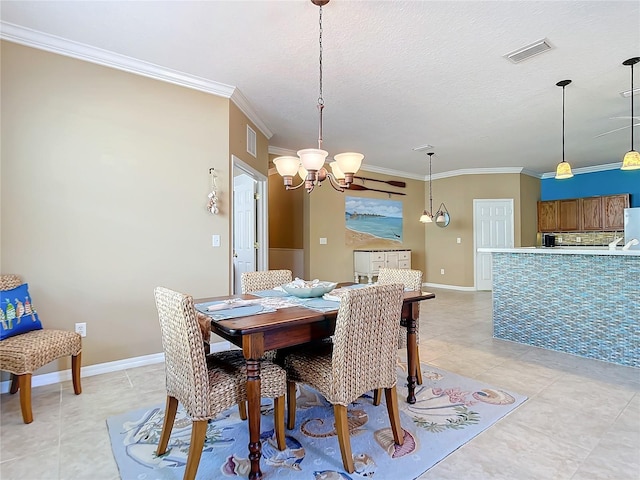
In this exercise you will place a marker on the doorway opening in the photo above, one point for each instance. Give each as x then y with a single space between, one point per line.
249 221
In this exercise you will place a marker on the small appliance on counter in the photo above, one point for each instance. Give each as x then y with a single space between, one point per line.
631 227
548 240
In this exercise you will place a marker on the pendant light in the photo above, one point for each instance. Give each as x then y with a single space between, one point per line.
564 169
427 216
631 159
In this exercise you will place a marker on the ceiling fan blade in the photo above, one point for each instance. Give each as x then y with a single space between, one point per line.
617 129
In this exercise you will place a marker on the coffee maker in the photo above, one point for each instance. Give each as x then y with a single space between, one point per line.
548 240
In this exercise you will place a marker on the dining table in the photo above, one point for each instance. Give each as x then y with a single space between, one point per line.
288 327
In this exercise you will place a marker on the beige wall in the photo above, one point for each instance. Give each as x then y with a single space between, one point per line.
334 261
104 187
286 214
458 194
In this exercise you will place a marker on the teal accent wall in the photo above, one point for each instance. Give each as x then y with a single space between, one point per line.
607 182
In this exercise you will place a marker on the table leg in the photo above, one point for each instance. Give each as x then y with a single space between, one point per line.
412 361
253 400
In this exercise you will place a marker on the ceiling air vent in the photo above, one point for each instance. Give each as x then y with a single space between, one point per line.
529 51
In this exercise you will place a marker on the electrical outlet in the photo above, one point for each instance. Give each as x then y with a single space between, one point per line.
442 271
458 240
81 328
215 240
578 239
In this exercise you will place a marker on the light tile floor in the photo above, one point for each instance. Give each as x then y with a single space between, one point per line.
581 421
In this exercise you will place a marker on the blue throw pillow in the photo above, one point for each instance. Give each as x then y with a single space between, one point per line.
17 313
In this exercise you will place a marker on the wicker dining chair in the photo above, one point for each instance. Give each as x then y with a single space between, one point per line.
412 280
24 353
359 359
264 280
205 385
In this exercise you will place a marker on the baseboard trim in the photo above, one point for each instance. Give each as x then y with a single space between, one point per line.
107 367
450 287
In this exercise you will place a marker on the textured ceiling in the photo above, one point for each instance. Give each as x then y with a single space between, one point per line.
397 74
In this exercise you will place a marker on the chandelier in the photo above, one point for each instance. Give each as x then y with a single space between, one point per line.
309 164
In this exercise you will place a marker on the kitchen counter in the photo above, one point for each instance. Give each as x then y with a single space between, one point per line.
580 301
563 251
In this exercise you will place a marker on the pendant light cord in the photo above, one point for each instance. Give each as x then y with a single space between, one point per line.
430 194
563 87
631 96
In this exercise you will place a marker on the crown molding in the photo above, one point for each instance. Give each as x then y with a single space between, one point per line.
581 170
483 171
282 152
68 48
389 171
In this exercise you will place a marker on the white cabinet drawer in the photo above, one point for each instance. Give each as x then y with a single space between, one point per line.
376 266
369 262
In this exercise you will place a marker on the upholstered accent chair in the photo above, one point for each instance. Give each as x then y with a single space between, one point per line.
24 353
359 359
264 280
205 385
412 280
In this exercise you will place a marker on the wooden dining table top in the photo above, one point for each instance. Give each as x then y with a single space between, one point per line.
283 317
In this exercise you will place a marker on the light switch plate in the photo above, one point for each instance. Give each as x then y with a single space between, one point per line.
323 241
215 240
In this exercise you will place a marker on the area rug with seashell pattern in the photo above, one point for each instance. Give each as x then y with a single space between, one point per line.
450 410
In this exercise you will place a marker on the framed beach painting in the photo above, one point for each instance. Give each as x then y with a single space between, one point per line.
373 221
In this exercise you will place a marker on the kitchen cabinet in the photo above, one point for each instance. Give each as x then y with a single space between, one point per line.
592 213
368 262
599 214
613 211
569 215
548 220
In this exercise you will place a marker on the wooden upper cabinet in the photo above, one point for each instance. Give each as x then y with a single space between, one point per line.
592 213
583 214
613 211
548 216
569 214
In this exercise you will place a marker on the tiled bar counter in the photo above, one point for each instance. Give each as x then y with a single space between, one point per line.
583 302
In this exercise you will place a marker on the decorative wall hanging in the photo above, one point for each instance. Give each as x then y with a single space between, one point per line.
373 221
212 204
393 183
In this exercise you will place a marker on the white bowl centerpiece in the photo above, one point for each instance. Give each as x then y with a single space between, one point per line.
308 289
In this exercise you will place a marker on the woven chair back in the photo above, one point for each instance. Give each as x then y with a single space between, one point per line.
185 363
364 354
411 279
264 280
9 281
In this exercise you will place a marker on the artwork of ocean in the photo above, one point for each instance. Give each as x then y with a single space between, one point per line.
379 218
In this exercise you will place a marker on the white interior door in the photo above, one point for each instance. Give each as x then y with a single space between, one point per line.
493 228
249 221
244 227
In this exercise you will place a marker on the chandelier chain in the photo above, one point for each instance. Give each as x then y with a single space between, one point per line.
320 99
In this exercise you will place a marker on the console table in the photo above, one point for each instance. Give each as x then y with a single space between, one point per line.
369 262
